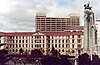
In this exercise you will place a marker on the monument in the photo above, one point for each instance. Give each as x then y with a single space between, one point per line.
89 30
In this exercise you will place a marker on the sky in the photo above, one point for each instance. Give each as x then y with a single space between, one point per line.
19 15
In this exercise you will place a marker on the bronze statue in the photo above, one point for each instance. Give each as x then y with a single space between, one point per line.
87 6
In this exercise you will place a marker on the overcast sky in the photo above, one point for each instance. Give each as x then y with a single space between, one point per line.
18 15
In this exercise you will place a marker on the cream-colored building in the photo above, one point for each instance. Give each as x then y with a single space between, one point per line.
3 40
97 23
67 42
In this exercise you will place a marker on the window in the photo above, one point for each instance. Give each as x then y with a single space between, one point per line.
66 41
32 45
72 36
37 41
43 41
13 37
31 41
73 51
16 45
32 36
13 41
26 41
59 45
51 37
23 37
16 41
43 37
79 36
16 50
36 37
19 45
63 50
23 41
59 50
43 45
52 41
35 45
23 45
10 45
67 46
16 37
72 40
13 45
19 37
19 41
78 46
56 45
78 40
26 45
59 41
49 45
62 45
62 41
73 46
13 50
0 41
68 36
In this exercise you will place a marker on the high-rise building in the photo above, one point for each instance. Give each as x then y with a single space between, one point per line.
49 24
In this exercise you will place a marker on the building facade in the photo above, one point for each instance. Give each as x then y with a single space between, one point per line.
47 24
66 42
97 23
3 40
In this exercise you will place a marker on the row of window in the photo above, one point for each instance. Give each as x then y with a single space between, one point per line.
43 41
27 37
65 41
41 17
60 50
39 46
26 41
16 50
68 36
67 51
25 45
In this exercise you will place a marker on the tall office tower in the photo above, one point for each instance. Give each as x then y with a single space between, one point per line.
49 24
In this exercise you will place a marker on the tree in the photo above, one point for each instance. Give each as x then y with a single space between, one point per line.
21 51
4 57
36 52
54 52
3 52
51 60
65 60
84 59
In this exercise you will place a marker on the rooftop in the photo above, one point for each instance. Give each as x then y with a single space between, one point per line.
45 33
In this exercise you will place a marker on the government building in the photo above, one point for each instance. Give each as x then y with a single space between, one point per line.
67 42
